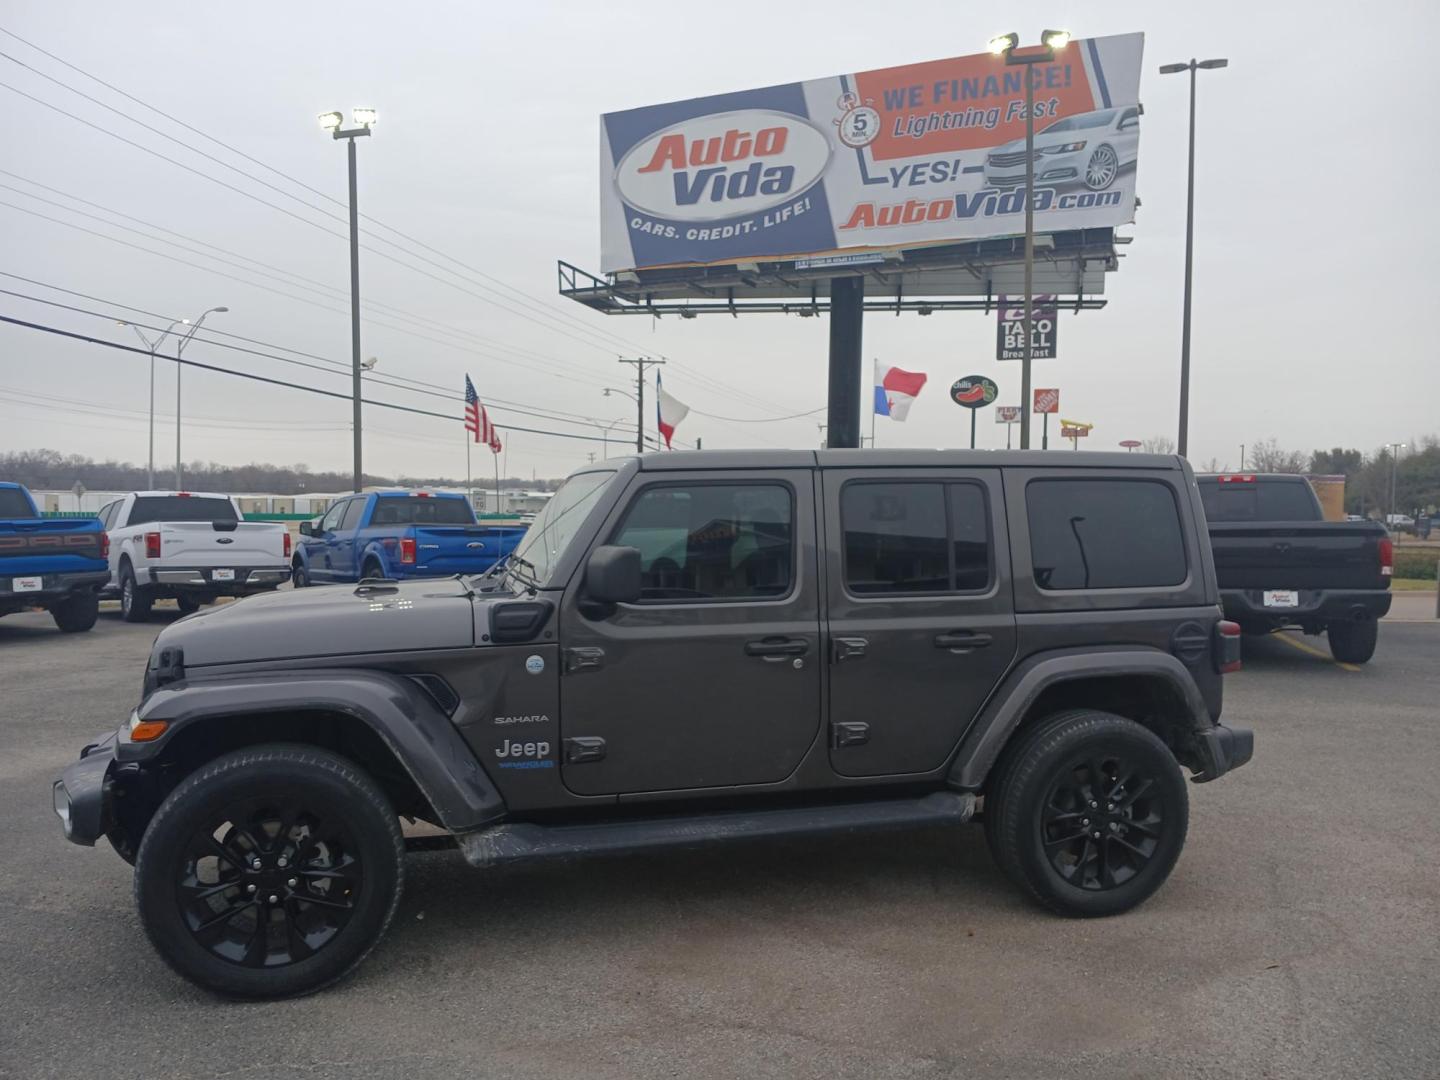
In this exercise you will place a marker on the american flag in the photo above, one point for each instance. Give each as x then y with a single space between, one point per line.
477 420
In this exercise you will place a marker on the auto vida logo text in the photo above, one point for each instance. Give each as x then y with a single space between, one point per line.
722 166
527 755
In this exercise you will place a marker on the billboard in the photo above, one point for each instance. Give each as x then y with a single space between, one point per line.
1010 328
919 154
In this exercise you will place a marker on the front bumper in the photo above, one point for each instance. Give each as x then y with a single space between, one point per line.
81 797
1222 749
1049 169
1317 607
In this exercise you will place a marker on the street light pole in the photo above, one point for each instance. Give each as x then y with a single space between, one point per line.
179 369
154 347
1182 443
1395 448
364 120
1005 45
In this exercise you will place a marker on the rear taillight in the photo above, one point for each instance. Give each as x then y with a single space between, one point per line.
287 543
1227 646
152 545
1387 557
407 549
104 545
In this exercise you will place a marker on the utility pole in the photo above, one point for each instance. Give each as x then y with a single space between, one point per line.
641 363
364 120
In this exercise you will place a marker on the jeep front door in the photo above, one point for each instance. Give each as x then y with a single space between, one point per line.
712 678
921 618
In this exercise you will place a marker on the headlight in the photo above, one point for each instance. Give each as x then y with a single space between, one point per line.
1064 148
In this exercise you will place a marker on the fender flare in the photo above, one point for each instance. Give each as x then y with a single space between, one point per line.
410 724
374 548
984 740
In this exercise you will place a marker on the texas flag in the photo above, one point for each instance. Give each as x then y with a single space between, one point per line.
896 390
668 412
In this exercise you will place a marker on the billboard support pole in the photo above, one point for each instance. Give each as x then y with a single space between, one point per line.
1029 253
1044 433
972 427
847 316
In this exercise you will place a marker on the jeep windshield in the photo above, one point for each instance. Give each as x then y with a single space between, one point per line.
537 555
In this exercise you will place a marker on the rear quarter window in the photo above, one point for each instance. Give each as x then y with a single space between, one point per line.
1104 534
13 504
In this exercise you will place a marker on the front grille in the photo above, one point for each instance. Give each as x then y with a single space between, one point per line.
1003 160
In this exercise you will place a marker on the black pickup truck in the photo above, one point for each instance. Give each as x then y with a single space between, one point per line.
1281 564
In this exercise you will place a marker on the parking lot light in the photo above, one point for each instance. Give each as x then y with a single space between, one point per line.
1182 443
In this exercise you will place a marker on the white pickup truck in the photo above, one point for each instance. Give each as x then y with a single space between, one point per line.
189 545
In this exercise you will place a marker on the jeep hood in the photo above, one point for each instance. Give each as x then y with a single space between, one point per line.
328 620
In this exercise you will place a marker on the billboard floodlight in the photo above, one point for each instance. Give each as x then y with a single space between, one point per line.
1055 39
331 120
1003 43
1213 63
363 117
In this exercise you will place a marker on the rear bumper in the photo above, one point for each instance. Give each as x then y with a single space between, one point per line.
1222 749
80 797
202 579
53 587
1317 607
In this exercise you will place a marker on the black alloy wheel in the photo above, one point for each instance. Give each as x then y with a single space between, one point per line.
1088 811
270 872
264 883
1102 820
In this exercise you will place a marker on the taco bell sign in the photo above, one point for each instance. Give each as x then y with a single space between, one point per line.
899 156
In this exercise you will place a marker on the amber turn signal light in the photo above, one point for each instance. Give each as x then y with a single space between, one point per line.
148 730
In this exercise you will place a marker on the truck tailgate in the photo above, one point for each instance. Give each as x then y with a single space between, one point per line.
1297 555
50 546
463 549
221 543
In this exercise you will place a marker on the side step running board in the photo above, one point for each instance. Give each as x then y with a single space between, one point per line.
523 842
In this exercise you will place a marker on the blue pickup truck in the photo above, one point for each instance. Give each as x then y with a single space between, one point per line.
398 534
58 564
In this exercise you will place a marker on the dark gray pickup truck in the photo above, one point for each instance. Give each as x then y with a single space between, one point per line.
1281 564
687 648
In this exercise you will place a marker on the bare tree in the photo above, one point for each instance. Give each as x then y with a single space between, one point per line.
1158 444
1266 456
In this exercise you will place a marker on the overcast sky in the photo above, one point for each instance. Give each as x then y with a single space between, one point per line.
1314 264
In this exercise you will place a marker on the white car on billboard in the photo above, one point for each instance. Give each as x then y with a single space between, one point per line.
1087 148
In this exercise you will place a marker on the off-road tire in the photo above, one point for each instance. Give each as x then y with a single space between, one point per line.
1023 779
311 777
134 601
1353 642
77 612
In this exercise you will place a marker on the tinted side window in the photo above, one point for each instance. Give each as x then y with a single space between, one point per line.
970 537
712 541
1258 500
1104 534
895 538
351 519
331 521
920 537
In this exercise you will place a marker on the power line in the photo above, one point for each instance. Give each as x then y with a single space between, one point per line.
543 309
281 382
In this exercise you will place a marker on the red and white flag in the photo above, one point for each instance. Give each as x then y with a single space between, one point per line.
668 412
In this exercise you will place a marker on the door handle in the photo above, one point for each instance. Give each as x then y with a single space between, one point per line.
774 649
962 641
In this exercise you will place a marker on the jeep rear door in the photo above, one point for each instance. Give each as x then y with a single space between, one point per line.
712 678
921 618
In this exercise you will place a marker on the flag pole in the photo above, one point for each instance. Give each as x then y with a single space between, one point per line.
497 480
469 489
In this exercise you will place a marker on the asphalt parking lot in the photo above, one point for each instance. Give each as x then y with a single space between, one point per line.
1298 937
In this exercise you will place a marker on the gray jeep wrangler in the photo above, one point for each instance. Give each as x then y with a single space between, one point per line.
686 648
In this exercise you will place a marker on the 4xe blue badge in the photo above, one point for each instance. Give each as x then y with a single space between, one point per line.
534 664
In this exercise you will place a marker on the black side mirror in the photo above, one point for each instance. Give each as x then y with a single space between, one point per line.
612 576
307 528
